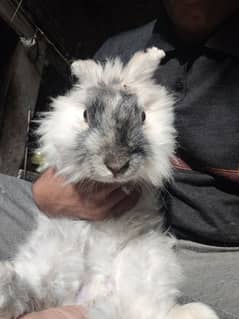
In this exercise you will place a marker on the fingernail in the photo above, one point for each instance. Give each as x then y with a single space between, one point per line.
126 189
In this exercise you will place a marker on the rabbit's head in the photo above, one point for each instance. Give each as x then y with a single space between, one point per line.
115 125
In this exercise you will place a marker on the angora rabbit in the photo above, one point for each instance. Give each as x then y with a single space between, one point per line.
114 126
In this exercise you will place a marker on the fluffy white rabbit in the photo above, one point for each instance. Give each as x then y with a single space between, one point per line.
116 125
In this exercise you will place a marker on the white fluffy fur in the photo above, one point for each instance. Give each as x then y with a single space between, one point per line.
118 268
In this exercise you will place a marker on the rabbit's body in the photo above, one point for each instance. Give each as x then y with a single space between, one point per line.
123 267
99 264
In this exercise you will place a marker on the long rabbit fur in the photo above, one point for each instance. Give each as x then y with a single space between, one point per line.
116 125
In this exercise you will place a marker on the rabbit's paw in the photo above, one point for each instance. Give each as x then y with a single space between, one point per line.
11 294
155 53
194 310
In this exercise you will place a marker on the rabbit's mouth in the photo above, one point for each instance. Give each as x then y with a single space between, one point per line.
118 167
125 173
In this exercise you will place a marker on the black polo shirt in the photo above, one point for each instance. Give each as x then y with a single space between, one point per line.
203 199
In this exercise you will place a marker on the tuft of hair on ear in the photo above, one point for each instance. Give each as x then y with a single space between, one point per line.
86 71
143 64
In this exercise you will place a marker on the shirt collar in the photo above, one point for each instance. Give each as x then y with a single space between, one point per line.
224 39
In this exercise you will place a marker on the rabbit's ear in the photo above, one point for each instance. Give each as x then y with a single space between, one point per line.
86 70
143 64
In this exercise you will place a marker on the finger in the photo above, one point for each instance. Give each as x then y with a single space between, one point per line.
68 312
112 200
97 190
126 204
103 209
111 188
115 197
96 203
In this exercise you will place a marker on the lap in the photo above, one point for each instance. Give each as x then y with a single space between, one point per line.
17 214
212 274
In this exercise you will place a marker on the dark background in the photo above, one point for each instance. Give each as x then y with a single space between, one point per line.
79 27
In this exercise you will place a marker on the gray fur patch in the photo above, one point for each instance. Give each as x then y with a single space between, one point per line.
115 134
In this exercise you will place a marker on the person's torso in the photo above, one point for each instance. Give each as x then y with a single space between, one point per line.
203 199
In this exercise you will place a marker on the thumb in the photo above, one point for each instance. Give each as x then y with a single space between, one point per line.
67 312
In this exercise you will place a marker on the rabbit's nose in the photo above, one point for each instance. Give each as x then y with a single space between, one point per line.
117 167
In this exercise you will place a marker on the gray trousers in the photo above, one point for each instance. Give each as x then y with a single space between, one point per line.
212 273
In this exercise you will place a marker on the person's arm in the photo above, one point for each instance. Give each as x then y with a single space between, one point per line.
67 312
56 198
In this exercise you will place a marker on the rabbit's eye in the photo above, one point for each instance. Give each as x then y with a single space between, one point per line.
85 116
143 115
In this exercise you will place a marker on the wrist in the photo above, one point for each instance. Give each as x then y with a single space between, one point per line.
38 197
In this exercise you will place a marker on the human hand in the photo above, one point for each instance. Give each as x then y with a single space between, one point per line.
67 312
56 198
